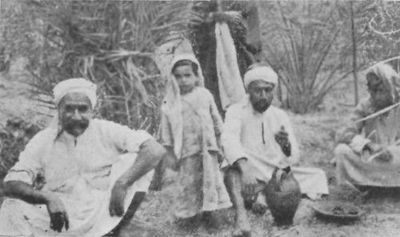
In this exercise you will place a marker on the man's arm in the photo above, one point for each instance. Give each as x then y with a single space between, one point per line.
350 135
148 157
25 192
19 182
294 154
55 207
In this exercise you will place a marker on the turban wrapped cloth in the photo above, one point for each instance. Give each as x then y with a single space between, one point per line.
78 85
263 73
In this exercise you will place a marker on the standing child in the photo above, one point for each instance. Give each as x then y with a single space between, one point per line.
190 130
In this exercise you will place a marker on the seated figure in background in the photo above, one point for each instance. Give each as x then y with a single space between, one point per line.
78 176
368 150
257 138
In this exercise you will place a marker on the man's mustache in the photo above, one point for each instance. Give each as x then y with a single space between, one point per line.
77 123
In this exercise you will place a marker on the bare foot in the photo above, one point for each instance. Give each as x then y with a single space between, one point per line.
242 226
211 222
259 208
189 224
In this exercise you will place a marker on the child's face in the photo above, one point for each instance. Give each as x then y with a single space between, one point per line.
185 78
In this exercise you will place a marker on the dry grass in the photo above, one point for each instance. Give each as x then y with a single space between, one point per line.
315 132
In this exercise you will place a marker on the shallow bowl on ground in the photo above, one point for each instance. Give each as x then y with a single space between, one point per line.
344 213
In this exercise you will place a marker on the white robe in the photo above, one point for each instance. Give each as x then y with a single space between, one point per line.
81 172
248 133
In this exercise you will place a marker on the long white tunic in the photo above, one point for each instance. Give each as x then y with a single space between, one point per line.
81 172
354 168
248 133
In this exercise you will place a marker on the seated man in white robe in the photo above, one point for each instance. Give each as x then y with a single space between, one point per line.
257 138
78 176
368 150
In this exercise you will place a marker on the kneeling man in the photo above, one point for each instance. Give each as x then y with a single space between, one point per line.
258 137
78 176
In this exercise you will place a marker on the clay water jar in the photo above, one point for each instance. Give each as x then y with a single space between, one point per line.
283 196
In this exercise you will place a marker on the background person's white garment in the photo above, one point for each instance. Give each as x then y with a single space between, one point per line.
231 89
81 173
250 134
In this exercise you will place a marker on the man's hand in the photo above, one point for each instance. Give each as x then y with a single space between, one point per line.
118 194
58 214
282 138
249 180
372 147
384 155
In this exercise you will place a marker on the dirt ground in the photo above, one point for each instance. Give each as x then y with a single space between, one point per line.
315 133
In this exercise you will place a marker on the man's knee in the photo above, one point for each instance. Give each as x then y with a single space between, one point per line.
341 151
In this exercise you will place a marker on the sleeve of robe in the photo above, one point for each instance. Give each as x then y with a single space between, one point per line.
124 138
29 162
351 135
217 120
230 139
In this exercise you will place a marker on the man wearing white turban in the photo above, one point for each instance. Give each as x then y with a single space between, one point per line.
257 138
368 150
78 176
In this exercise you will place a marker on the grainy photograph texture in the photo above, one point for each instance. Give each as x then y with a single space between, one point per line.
133 118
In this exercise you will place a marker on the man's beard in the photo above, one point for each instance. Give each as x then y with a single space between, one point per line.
261 105
78 125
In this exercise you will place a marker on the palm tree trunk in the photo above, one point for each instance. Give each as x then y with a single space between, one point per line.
353 37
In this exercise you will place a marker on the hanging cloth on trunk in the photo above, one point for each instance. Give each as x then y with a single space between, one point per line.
231 89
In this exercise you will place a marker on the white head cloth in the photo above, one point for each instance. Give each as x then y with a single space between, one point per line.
189 57
172 106
389 76
79 85
263 73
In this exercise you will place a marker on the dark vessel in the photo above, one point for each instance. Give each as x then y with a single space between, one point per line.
283 196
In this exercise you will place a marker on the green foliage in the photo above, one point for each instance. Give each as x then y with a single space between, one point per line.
308 43
111 43
13 138
383 33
